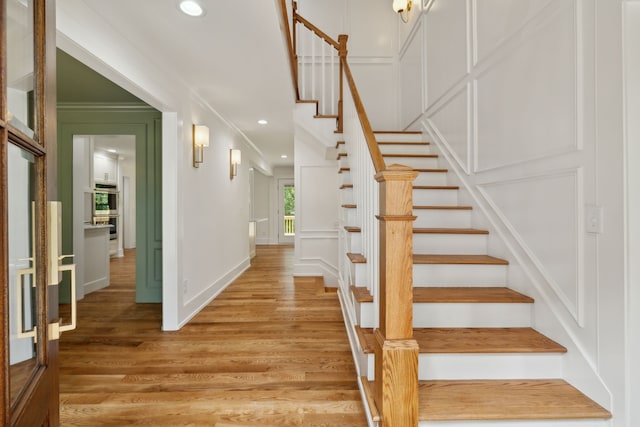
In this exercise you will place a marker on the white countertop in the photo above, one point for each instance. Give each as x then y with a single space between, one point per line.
97 226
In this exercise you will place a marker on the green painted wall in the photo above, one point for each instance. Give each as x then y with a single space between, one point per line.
145 123
90 104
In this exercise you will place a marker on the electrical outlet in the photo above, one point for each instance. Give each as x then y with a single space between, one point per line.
594 219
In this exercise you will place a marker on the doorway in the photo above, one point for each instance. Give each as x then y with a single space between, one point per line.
286 211
104 206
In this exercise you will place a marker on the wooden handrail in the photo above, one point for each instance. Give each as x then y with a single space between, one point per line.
316 30
293 58
374 149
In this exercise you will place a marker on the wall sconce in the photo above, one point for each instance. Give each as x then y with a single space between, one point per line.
200 140
235 157
400 6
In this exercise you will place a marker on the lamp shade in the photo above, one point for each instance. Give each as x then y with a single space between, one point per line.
399 5
236 156
201 135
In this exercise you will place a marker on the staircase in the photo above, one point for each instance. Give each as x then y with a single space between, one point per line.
479 357
437 335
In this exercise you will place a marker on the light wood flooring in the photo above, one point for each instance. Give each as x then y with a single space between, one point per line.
269 351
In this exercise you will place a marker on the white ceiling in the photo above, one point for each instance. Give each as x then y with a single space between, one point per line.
233 57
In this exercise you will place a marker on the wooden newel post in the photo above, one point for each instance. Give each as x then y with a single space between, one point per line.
396 352
342 52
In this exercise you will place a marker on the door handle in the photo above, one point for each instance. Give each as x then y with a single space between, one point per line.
20 303
56 268
71 268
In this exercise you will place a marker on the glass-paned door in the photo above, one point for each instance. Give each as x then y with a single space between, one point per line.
29 334
287 211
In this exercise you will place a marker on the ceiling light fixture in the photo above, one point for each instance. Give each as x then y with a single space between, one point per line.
400 6
262 122
191 8
284 156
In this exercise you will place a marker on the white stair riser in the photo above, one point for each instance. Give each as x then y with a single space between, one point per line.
500 366
456 244
358 274
458 315
483 366
431 178
422 197
471 315
354 242
442 218
404 137
459 275
413 162
525 423
349 215
344 178
346 195
343 162
365 313
405 149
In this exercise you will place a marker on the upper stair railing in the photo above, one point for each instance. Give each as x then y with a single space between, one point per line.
321 71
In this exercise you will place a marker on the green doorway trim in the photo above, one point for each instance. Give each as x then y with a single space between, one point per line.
146 124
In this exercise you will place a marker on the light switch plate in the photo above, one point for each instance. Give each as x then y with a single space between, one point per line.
594 219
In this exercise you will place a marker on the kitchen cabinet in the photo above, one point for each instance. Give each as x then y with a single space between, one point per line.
105 168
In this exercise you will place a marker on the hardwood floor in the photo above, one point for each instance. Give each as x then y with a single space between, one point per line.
269 351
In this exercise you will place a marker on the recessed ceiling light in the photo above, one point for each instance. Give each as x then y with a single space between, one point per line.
111 150
284 156
191 8
262 122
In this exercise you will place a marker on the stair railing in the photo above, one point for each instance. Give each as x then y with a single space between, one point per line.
390 194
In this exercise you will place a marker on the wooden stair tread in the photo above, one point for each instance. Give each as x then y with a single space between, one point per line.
449 231
436 187
453 295
419 156
340 155
343 186
400 132
546 399
339 143
493 400
456 208
458 259
473 340
361 294
469 295
349 206
403 143
356 258
428 170
352 229
341 170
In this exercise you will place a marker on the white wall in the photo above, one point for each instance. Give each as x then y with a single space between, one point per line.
317 204
632 126
524 98
205 214
371 49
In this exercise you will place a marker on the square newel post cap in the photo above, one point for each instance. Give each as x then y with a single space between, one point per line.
396 172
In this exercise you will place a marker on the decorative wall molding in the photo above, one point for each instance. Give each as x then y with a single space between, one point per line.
564 249
460 150
504 124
